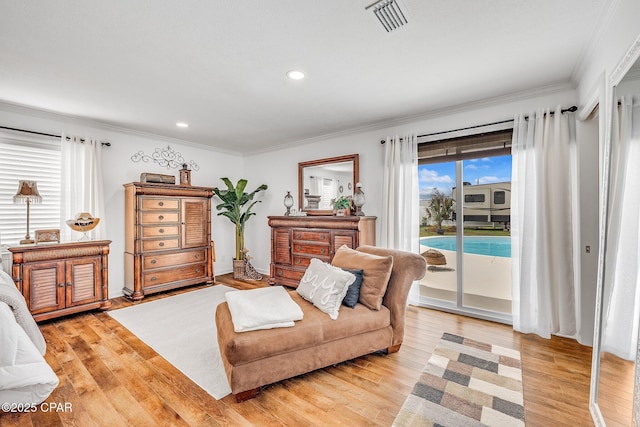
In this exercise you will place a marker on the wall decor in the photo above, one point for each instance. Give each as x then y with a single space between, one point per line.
165 157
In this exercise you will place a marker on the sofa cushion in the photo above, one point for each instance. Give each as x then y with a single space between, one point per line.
325 286
353 293
376 273
314 329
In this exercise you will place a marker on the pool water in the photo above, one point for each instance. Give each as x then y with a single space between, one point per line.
478 245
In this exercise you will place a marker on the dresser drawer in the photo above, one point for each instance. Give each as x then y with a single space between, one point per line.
289 273
300 261
312 235
159 217
159 231
159 244
310 249
158 203
167 260
174 274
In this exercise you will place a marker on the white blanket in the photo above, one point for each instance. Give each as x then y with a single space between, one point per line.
262 308
25 377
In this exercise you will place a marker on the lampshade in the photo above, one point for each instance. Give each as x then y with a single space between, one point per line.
27 192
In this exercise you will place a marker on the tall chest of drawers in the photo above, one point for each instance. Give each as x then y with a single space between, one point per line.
297 239
167 238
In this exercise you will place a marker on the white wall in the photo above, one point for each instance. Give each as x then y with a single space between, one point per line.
118 169
279 168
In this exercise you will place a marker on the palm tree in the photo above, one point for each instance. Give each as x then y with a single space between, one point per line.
233 201
440 208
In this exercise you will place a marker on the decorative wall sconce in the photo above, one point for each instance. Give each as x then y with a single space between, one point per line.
359 199
288 203
27 193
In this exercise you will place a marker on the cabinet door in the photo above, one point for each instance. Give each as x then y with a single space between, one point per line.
43 286
344 237
82 280
280 245
194 222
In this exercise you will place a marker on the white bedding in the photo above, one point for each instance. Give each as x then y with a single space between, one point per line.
25 377
262 308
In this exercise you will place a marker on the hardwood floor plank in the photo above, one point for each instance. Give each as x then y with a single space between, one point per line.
110 377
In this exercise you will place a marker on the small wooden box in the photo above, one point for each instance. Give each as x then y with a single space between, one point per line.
157 178
48 236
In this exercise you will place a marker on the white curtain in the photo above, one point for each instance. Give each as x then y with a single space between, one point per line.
81 185
621 294
400 220
543 225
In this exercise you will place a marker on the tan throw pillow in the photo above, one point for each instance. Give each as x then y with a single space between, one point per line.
377 270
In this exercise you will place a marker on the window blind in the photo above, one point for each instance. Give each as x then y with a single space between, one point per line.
28 158
487 144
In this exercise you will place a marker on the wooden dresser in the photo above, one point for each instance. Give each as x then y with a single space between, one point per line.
297 239
63 278
167 238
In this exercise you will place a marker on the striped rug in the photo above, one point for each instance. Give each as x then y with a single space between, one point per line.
466 383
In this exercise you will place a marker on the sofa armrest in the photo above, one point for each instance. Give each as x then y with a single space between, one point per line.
407 267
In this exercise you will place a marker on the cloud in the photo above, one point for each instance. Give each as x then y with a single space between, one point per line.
491 179
428 177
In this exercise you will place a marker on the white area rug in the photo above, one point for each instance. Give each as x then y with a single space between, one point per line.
182 329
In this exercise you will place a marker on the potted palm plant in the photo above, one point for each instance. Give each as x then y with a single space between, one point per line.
234 206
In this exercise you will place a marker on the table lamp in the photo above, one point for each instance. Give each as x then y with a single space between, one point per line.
27 193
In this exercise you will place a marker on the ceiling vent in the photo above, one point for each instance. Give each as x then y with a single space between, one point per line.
390 13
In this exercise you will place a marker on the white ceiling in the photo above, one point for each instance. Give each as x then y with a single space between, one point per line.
220 65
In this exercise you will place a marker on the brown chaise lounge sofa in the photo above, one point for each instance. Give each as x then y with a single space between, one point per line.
257 358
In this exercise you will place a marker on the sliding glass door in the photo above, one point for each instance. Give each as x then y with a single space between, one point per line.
465 236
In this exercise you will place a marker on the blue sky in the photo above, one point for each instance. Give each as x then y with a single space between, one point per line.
476 171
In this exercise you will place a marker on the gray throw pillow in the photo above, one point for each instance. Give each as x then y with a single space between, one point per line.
353 293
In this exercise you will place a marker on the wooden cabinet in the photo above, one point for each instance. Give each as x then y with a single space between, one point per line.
65 278
297 239
167 238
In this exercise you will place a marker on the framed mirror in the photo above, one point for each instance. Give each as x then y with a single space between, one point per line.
615 347
321 181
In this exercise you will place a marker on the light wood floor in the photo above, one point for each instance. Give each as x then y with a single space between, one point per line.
111 378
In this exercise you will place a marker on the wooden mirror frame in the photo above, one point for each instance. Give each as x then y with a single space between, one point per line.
340 159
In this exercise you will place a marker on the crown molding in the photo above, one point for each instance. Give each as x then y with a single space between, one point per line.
431 114
84 121
607 11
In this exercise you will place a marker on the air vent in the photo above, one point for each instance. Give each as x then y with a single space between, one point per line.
390 13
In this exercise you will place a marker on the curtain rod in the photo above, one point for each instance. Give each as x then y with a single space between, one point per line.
105 144
571 109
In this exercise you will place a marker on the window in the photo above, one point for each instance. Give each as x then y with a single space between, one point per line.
27 157
498 197
474 198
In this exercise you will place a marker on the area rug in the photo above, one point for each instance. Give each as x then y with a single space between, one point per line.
182 329
466 383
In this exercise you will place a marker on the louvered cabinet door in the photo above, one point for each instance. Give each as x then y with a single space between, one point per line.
82 280
44 286
194 222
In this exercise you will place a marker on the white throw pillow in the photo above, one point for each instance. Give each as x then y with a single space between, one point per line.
325 286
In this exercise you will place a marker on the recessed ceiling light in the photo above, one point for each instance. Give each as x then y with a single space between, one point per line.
295 75
182 125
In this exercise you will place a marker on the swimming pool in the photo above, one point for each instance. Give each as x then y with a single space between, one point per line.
479 245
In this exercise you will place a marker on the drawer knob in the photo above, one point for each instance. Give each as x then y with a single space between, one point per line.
197 256
279 272
161 244
69 284
161 217
160 203
322 237
161 230
153 261
322 250
299 235
298 261
299 247
154 278
61 285
197 270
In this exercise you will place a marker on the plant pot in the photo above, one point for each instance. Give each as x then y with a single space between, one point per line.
239 269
